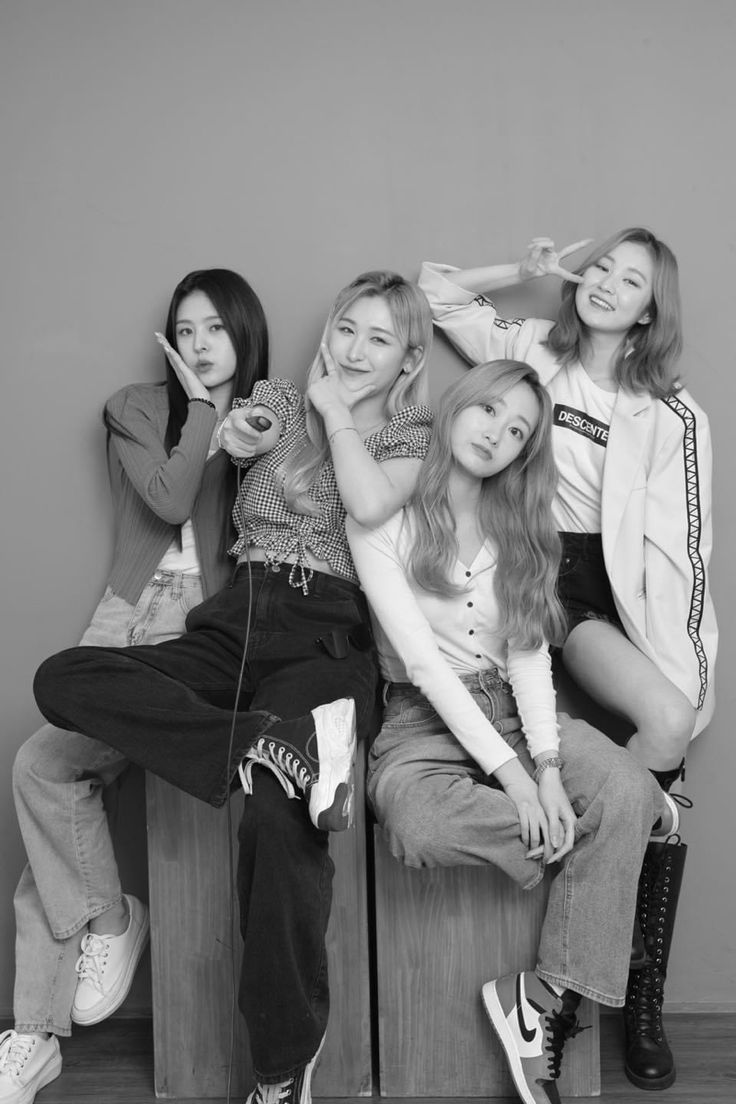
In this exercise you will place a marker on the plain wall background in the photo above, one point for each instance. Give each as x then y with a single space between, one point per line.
301 143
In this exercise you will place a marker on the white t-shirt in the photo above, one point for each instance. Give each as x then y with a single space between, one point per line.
581 419
185 559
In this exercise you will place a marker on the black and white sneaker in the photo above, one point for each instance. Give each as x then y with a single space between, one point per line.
295 1090
532 1024
315 756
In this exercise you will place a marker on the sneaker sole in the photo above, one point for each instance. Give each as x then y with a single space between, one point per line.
497 1017
305 1096
114 999
338 816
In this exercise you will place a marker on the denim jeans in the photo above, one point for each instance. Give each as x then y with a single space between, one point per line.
437 808
170 709
58 779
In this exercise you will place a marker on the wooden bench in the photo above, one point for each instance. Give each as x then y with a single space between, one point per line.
196 950
440 934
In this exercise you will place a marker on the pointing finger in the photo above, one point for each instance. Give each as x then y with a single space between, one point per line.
574 247
565 274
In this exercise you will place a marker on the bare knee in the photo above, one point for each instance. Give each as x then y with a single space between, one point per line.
664 728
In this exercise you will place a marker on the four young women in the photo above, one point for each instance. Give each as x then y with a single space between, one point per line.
469 765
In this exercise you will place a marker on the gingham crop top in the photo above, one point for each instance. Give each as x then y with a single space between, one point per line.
261 515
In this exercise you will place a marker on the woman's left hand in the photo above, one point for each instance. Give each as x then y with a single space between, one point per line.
329 395
543 259
560 813
190 381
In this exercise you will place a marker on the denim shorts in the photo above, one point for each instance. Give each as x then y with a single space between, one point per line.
582 583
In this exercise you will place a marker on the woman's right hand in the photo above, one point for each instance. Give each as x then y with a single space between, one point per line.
542 259
241 439
533 825
190 381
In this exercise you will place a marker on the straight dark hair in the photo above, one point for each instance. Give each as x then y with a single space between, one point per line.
242 315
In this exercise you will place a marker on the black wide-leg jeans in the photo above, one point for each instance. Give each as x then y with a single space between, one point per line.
169 708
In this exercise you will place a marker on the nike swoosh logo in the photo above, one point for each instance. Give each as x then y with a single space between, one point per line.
527 1034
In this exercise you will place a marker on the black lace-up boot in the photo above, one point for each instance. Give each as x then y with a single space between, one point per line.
649 1060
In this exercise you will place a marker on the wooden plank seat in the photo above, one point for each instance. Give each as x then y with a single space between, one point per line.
195 953
440 934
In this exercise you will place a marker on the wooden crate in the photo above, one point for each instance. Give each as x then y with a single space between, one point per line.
440 934
196 951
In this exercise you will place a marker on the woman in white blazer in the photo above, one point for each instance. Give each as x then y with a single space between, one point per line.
633 507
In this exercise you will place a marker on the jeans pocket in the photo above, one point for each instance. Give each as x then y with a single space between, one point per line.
403 712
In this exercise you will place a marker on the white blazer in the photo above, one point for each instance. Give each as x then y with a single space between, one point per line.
656 496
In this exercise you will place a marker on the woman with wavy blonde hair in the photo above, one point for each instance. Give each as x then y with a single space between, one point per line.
472 765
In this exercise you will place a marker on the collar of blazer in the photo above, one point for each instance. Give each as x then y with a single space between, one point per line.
627 441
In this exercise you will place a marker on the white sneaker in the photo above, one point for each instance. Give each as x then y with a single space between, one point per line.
107 965
27 1063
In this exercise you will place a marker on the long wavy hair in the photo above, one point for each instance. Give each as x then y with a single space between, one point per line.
412 318
649 352
515 511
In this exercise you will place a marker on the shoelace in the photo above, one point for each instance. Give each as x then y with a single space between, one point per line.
645 1007
15 1050
561 1026
93 960
270 752
272 1094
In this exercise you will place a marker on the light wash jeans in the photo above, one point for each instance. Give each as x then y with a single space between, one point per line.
58 779
437 808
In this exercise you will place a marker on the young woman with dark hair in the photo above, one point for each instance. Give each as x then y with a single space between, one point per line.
274 671
472 765
172 493
633 507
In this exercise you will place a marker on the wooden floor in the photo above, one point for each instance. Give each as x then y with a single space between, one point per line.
113 1064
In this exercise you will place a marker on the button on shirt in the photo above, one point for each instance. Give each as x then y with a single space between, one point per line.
430 639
